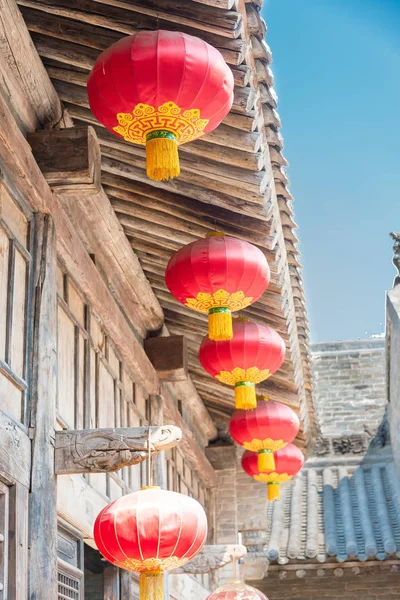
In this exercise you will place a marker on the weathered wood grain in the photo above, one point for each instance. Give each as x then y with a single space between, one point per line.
108 450
15 452
21 55
68 158
43 492
168 355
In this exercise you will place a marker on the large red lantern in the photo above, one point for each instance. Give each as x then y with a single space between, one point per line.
237 590
149 532
253 354
265 429
218 275
288 462
161 89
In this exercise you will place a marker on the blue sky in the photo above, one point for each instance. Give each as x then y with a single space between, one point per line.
337 75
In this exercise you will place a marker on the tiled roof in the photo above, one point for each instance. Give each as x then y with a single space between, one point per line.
343 512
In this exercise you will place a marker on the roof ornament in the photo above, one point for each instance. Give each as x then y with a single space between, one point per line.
396 256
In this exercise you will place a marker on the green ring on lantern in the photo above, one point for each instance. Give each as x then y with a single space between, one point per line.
247 383
219 309
161 134
265 451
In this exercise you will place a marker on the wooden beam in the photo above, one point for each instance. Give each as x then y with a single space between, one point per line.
43 491
92 218
23 174
109 450
213 557
69 159
23 60
90 28
168 355
253 209
149 14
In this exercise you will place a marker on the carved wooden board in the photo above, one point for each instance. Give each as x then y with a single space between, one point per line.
107 450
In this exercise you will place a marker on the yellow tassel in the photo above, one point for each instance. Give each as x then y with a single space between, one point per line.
220 324
266 461
151 585
274 492
245 395
162 160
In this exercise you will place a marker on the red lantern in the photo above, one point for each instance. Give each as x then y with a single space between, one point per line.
253 354
161 89
288 462
236 590
149 532
218 275
265 429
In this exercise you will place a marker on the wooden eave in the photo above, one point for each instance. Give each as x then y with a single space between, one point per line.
232 179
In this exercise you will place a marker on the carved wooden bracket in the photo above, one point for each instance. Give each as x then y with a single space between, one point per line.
107 450
213 557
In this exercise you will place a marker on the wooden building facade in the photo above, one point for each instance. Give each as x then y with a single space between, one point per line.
93 348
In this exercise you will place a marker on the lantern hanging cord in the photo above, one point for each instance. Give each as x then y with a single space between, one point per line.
149 478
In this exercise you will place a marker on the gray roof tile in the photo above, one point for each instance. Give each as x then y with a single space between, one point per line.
345 512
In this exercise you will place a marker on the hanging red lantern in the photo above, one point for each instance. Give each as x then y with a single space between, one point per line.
149 532
160 89
218 275
253 354
236 590
288 462
265 429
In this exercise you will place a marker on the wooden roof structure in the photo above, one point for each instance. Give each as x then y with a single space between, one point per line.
231 180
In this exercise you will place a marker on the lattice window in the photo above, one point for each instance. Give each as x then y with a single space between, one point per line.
181 479
70 582
15 269
95 389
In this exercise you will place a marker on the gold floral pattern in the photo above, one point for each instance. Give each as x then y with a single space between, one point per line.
151 564
203 302
272 477
254 375
186 125
267 444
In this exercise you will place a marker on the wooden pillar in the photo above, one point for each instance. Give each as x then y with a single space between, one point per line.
43 496
111 583
159 462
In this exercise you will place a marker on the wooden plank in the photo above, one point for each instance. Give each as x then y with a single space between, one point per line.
43 523
88 28
168 355
252 209
15 466
68 158
111 583
15 98
142 15
23 60
18 543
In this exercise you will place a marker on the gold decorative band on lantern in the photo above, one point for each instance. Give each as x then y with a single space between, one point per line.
266 461
220 323
274 491
162 160
245 395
